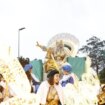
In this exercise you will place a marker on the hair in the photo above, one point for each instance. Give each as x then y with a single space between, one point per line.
51 80
50 76
29 75
29 78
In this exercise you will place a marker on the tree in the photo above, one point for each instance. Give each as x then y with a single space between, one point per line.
101 76
95 49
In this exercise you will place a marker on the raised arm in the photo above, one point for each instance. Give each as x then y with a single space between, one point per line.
44 48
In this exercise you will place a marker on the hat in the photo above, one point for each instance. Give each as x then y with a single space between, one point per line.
67 67
27 67
52 72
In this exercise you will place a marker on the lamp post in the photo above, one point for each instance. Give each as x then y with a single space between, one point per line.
19 39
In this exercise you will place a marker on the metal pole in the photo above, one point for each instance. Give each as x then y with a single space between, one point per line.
19 40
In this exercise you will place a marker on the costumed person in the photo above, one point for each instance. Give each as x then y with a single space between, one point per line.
50 61
67 77
33 82
25 61
52 93
59 51
55 56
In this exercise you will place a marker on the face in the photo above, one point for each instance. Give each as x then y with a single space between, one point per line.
30 70
65 72
59 45
56 78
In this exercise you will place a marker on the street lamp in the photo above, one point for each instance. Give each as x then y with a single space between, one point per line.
19 39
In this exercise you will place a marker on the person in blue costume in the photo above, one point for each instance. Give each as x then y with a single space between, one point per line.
67 77
33 81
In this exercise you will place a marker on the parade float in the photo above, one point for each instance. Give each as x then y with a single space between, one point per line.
61 48
64 48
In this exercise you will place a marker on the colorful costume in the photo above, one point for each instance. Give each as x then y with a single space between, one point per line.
44 94
68 77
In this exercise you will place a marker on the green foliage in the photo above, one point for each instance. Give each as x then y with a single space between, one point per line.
95 49
101 76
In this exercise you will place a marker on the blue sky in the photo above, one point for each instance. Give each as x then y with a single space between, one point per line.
45 18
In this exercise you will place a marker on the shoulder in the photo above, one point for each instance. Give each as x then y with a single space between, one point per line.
42 86
44 83
58 86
